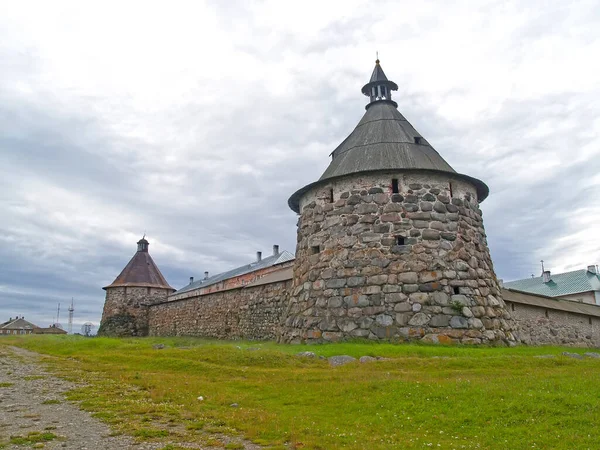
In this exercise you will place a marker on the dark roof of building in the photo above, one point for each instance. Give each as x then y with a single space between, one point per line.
49 330
17 324
141 271
385 140
560 284
542 301
268 261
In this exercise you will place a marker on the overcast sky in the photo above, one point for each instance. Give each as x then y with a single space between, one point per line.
194 122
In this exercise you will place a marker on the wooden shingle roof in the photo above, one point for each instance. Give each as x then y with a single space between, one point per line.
384 140
141 271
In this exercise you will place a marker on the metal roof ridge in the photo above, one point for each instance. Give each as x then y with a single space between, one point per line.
268 261
551 274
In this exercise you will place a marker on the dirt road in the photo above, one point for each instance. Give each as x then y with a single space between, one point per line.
35 414
32 401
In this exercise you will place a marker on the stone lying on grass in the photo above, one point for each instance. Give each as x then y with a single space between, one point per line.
572 355
306 354
367 359
592 355
340 360
158 346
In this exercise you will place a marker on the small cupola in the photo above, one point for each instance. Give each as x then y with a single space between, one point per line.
142 245
379 88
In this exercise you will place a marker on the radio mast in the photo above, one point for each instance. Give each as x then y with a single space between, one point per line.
71 309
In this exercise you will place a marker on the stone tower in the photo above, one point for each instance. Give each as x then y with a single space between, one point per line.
391 243
139 285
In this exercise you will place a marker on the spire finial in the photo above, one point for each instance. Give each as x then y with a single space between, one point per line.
376 57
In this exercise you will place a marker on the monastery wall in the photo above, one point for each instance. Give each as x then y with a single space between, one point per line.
583 297
252 313
255 313
536 325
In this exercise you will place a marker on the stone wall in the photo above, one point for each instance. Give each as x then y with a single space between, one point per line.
244 313
536 325
583 297
383 265
126 310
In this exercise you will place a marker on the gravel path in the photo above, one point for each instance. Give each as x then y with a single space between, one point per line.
32 400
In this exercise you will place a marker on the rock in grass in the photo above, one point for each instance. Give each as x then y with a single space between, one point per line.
573 355
592 355
158 346
340 360
367 359
200 398
234 405
307 354
544 356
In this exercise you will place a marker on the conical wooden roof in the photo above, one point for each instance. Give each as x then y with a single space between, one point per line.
141 271
384 140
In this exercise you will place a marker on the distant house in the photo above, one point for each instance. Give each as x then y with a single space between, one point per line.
581 286
50 330
18 325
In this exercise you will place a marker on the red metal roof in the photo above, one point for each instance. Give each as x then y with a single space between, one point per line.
141 271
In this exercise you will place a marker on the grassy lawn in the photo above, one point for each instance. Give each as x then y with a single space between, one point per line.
423 396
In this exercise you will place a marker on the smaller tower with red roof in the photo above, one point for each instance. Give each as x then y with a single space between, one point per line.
138 286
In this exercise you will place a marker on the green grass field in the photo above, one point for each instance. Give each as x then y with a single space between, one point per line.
423 396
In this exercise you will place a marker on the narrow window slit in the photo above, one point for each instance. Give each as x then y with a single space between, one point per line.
400 240
330 195
450 186
456 290
395 186
316 249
